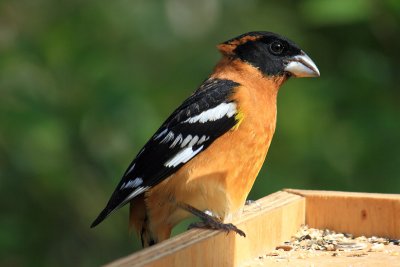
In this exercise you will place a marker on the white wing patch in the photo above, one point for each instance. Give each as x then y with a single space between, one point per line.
161 134
132 183
203 139
213 114
186 141
132 167
177 140
193 141
135 193
182 156
168 137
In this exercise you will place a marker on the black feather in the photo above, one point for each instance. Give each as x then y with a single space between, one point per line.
149 164
258 53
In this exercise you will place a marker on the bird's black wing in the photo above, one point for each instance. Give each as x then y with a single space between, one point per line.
192 127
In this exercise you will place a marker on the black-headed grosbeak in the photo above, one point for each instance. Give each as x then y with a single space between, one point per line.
205 157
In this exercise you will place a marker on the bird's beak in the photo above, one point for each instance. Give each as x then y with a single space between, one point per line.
301 66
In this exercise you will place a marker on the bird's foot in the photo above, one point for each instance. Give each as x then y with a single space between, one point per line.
210 222
214 224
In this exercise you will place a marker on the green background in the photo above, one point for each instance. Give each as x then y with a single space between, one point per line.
84 84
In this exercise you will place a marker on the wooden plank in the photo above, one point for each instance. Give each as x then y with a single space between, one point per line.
268 222
356 213
277 218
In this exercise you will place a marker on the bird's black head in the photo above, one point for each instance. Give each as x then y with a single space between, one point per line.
272 54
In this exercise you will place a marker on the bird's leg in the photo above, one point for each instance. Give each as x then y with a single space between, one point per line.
208 221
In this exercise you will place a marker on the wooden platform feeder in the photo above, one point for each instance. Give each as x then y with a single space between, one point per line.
276 218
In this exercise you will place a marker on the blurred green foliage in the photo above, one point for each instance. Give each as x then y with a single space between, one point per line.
83 85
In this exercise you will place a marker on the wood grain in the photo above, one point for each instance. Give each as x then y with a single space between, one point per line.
365 214
273 220
269 221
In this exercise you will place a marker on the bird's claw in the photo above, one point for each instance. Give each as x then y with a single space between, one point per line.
208 221
214 224
231 227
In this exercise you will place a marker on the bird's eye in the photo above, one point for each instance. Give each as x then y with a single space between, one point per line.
276 48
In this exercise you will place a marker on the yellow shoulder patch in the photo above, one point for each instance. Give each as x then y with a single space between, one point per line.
239 118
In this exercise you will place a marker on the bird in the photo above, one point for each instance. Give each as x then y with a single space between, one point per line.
205 157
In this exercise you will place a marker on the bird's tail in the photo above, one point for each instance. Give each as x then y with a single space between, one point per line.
113 204
103 214
116 201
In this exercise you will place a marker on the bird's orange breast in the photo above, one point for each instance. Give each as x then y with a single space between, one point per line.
220 178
